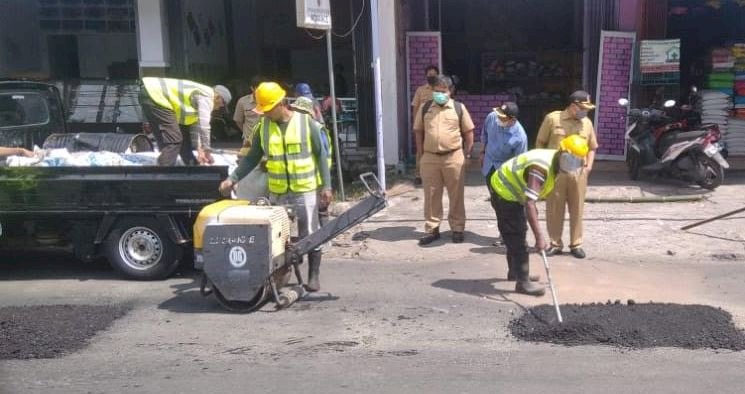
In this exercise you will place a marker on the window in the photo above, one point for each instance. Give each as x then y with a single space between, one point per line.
23 109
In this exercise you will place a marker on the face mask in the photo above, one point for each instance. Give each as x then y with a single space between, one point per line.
569 162
440 98
431 80
581 114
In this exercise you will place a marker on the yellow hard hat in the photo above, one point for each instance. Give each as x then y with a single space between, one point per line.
575 145
268 95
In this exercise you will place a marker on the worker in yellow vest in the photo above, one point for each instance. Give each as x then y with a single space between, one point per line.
307 106
291 144
517 185
179 113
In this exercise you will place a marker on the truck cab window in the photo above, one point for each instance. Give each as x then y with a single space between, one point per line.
22 110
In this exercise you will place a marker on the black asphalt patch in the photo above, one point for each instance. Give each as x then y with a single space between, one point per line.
50 331
634 326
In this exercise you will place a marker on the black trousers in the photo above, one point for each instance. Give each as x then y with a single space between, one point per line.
173 139
513 226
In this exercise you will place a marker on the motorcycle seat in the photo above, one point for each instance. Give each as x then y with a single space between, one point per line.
690 135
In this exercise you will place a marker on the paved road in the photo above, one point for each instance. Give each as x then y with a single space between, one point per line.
400 318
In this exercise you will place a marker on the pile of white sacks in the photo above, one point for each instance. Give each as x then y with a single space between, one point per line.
735 138
250 188
714 108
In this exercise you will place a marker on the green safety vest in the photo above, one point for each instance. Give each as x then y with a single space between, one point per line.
175 94
329 160
509 180
290 163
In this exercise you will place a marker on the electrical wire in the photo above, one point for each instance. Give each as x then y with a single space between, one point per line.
342 35
354 26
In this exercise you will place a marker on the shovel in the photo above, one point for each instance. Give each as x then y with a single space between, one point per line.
551 285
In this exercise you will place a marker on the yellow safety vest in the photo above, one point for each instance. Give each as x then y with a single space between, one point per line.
289 157
509 180
175 94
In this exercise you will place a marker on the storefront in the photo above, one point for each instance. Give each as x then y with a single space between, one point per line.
712 36
532 52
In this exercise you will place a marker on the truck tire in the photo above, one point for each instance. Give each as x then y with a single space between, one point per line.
140 249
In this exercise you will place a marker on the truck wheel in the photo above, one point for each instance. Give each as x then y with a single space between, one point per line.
140 249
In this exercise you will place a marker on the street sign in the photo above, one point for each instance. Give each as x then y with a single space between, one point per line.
659 56
313 14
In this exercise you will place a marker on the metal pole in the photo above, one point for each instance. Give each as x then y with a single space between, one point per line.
330 56
551 285
377 88
690 226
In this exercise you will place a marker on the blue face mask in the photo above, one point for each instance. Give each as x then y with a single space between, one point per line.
440 98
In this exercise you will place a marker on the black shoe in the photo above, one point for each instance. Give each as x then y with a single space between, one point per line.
529 288
458 237
578 253
429 238
418 181
553 251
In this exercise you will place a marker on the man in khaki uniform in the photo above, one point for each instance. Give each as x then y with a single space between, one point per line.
422 95
441 127
570 188
245 116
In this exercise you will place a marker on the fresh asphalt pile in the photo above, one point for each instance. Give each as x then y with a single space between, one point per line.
634 326
49 331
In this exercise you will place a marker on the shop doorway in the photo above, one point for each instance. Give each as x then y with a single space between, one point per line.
530 50
63 56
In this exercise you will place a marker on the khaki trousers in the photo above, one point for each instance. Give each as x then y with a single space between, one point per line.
569 191
438 172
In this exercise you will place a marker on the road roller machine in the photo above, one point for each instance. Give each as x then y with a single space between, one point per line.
248 255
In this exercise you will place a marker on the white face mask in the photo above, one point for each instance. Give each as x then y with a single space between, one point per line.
569 162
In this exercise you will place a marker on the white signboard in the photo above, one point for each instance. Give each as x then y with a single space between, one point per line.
313 14
659 56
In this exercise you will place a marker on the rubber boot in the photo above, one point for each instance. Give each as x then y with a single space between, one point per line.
512 276
314 266
523 284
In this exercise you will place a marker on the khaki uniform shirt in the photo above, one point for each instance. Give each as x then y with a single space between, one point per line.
245 117
421 96
442 131
560 124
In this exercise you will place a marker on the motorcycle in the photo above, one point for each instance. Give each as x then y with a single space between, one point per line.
657 144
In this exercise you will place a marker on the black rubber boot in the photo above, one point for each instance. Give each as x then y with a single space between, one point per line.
524 285
314 266
512 276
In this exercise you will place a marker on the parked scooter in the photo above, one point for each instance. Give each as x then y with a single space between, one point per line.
689 155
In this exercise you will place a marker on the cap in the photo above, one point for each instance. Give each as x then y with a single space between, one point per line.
303 90
507 110
303 104
223 92
582 99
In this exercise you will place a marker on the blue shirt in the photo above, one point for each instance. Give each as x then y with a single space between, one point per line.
502 143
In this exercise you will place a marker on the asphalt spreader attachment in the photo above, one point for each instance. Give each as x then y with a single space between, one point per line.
631 326
248 257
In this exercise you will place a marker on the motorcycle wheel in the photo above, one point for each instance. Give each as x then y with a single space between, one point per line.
713 174
633 164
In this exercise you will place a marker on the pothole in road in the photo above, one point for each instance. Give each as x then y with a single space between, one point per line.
634 326
50 331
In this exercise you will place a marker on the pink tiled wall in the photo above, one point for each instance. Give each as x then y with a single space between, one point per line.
479 107
614 84
423 51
